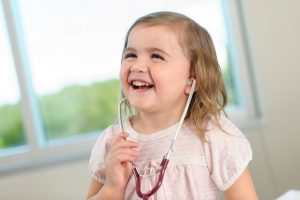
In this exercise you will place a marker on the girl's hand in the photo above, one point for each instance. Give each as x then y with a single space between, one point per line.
118 162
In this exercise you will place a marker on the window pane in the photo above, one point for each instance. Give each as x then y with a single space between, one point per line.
11 125
75 47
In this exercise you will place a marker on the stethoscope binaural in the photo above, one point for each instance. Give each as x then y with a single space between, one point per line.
165 160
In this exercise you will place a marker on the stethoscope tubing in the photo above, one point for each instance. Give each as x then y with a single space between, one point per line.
165 160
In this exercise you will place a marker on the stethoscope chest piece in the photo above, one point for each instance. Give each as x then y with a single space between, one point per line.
137 176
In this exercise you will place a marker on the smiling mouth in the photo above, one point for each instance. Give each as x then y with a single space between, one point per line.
141 85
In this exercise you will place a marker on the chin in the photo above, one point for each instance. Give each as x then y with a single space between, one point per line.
140 105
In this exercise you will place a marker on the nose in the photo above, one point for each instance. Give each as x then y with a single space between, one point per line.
140 65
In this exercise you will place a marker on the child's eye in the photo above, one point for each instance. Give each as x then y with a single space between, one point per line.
130 55
157 56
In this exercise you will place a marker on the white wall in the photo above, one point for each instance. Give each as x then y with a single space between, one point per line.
274 30
64 181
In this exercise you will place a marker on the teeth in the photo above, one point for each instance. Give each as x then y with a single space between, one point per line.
139 83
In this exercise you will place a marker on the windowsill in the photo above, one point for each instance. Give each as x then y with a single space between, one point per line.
22 158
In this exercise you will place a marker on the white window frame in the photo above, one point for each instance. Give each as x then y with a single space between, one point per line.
35 153
250 113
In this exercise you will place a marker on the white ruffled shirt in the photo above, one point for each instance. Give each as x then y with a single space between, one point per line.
196 169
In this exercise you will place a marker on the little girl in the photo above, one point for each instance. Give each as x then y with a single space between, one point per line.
165 55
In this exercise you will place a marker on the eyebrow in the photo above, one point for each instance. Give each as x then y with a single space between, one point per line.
150 49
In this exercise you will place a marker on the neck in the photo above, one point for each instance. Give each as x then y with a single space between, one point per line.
148 123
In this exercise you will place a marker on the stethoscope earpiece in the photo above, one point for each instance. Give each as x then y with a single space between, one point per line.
190 81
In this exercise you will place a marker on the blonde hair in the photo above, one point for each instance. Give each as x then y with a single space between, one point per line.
210 97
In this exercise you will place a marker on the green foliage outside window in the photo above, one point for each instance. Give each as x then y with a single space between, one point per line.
231 90
80 109
74 110
11 126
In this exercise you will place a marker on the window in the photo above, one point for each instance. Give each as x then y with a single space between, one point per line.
67 56
11 125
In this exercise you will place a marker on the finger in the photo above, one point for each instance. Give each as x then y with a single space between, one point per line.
124 144
119 137
128 151
118 155
123 157
129 166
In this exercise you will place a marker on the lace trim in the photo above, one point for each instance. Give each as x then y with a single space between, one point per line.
142 137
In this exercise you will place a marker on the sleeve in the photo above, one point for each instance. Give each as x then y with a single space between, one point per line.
98 155
227 153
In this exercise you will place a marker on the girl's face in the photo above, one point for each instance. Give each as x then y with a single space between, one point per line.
155 70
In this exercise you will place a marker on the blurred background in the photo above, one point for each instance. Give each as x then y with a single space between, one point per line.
59 88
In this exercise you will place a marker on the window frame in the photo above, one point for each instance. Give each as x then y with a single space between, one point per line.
36 153
250 114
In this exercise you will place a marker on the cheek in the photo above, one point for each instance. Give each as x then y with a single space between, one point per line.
123 75
174 82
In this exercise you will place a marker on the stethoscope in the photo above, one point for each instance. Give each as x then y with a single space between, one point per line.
165 160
